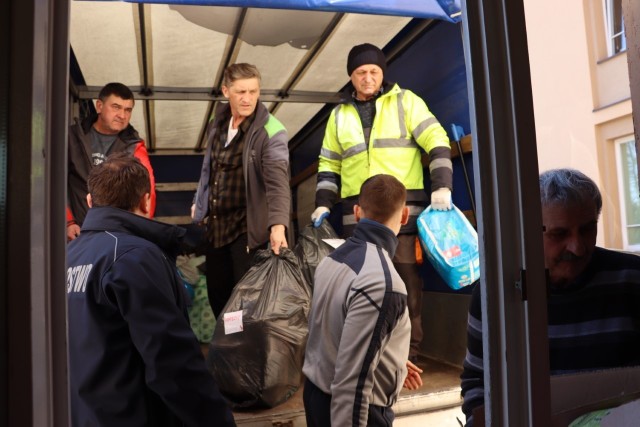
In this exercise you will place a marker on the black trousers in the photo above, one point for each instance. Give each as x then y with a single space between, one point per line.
225 267
317 408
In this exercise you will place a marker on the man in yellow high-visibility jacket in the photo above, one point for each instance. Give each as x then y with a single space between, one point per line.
380 129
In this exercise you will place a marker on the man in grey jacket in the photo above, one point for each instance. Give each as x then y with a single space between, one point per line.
243 193
359 328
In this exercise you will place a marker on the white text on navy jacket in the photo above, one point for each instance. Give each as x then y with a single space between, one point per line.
77 278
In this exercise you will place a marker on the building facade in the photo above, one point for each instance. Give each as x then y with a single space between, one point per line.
582 105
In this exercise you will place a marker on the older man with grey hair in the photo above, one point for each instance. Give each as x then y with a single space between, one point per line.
243 195
594 293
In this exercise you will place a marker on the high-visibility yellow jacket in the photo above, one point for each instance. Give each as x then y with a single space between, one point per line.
402 124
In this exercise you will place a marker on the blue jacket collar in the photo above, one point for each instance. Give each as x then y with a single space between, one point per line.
166 236
378 234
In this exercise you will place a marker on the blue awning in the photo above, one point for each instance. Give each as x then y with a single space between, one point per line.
447 10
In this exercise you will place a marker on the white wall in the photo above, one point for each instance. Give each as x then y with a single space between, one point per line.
561 84
580 97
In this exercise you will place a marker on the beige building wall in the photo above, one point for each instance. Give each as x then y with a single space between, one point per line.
581 97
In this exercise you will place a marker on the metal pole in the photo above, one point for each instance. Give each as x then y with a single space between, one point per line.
517 385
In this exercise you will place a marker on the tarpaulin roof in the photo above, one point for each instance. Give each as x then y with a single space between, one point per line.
448 10
173 54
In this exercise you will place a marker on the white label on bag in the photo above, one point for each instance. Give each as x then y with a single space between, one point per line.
334 243
232 322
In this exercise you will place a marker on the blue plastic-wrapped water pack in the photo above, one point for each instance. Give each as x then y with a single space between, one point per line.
451 245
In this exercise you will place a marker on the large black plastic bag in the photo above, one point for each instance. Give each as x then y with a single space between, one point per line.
311 249
261 366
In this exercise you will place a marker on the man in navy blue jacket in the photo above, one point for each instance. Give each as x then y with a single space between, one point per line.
133 359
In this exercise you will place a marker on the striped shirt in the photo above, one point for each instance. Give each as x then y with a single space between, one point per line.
593 324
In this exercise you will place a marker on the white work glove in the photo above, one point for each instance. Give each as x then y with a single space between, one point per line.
319 215
441 199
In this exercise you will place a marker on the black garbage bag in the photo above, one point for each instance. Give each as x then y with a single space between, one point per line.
261 365
311 249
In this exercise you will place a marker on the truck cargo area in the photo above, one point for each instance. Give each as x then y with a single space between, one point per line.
438 399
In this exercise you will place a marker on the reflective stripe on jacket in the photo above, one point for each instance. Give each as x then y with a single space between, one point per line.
403 124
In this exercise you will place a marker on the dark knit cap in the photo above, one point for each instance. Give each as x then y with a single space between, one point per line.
364 54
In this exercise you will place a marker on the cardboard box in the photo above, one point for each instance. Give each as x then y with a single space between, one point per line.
573 395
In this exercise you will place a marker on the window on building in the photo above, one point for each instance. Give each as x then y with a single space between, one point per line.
629 192
614 25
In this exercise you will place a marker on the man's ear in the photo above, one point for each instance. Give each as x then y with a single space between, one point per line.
225 91
145 204
99 105
89 200
357 212
405 215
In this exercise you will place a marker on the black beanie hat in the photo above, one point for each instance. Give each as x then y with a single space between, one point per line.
365 54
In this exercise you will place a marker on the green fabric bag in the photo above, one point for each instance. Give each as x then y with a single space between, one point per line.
201 316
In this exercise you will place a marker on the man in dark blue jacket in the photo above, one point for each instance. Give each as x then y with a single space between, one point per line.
133 360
